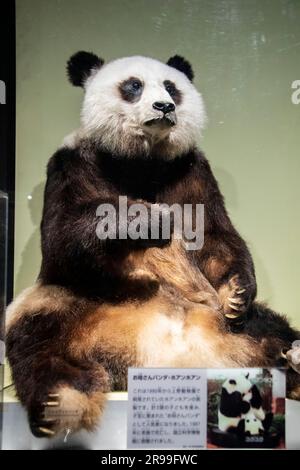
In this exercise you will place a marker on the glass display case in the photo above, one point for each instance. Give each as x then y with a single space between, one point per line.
3 266
236 48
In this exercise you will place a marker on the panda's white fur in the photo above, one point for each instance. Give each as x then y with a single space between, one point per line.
120 124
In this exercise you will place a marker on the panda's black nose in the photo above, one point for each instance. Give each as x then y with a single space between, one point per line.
164 106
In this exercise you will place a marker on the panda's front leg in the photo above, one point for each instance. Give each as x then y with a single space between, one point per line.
227 264
234 282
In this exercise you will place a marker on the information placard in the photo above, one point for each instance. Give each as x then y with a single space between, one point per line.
214 408
167 408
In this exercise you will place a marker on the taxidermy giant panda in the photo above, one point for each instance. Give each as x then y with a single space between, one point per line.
102 305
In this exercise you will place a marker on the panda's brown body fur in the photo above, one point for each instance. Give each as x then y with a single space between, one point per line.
102 306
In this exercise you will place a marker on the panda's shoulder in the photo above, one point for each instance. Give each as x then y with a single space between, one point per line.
201 161
64 160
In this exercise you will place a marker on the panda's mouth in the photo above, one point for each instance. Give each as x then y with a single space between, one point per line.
167 120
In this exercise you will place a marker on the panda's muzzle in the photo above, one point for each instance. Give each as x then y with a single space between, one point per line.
166 115
168 120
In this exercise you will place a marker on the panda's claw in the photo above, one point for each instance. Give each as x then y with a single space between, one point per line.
231 316
49 420
240 291
236 300
46 431
233 296
283 353
234 307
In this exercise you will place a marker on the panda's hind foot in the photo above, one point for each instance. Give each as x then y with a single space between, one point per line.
293 356
65 410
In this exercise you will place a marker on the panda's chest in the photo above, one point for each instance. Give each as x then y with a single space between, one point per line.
150 179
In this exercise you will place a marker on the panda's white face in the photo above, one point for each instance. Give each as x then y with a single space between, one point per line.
253 425
239 384
138 105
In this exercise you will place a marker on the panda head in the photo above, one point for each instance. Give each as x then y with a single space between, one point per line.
138 105
253 425
241 384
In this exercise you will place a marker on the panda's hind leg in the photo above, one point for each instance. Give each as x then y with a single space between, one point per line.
65 406
59 392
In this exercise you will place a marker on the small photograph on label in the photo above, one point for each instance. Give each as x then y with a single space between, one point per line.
246 408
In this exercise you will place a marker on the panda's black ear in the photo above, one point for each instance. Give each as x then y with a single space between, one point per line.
80 65
182 65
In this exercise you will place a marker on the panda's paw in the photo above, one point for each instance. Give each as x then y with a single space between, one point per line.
64 411
42 425
233 297
293 356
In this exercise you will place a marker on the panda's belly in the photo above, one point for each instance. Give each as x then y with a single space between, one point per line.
160 333
181 341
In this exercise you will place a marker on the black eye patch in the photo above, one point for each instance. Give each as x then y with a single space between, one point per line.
175 94
131 89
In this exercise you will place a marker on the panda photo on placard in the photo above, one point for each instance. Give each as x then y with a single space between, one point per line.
246 408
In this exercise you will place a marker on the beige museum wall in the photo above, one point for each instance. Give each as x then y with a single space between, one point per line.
245 55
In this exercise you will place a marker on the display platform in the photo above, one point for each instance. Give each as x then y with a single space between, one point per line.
111 432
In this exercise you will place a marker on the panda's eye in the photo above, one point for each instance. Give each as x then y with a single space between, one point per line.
136 85
131 89
255 419
170 87
173 91
248 420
